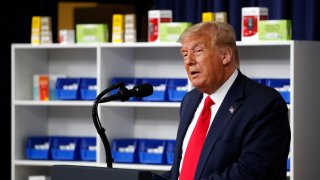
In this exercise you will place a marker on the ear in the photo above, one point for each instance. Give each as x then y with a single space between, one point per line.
226 56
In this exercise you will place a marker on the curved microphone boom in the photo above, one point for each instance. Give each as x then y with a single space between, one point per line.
123 94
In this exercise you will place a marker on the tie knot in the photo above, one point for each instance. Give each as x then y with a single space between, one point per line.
208 102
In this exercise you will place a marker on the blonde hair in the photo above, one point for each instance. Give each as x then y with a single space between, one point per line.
222 34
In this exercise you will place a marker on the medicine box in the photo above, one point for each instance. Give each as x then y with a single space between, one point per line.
125 150
38 148
65 148
152 151
67 88
208 16
117 28
91 33
251 16
66 36
171 32
275 30
221 17
41 87
159 89
176 89
88 88
155 17
88 148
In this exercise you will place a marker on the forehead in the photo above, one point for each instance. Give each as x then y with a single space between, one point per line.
194 40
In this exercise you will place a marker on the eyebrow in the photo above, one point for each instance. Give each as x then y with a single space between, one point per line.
193 47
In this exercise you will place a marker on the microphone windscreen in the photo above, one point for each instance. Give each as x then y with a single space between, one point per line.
142 90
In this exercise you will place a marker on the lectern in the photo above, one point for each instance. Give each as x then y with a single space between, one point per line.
70 172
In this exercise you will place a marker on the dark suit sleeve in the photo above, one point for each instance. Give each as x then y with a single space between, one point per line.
265 146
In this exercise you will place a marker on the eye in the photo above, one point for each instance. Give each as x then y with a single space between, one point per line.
198 51
184 53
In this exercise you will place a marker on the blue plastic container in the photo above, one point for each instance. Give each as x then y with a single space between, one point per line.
88 147
170 151
125 150
65 148
177 88
88 88
152 151
276 83
159 89
288 164
67 88
129 82
38 148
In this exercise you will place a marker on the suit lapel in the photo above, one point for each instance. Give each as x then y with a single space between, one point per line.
227 109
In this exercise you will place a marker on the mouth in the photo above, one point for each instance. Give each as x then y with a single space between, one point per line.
194 73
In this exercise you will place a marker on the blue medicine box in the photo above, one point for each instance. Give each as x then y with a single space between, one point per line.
38 148
125 150
65 148
88 148
152 151
176 89
170 151
67 88
88 88
159 89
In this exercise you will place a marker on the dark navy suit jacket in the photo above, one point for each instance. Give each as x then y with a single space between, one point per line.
249 137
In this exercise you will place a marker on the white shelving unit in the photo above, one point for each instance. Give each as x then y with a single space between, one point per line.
296 60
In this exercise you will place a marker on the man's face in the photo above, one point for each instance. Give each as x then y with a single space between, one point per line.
203 62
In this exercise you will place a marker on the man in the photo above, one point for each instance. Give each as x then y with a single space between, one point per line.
248 131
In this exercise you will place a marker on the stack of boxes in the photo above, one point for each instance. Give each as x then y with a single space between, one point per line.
41 30
130 28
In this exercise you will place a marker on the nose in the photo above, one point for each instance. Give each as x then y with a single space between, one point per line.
189 59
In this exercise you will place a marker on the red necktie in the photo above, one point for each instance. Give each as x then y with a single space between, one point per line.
196 142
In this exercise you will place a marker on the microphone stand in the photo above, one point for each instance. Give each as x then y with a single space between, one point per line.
97 123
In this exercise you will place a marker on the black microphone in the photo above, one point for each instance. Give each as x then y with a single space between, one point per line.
123 94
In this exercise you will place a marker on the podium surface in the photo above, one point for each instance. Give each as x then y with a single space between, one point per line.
70 172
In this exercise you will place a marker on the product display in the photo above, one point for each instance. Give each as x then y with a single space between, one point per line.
275 30
92 33
251 16
170 32
155 18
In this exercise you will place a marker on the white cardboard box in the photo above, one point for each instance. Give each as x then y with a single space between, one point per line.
250 20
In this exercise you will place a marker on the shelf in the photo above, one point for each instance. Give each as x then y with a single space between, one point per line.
90 103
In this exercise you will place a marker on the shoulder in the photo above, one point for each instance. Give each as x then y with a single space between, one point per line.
259 94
